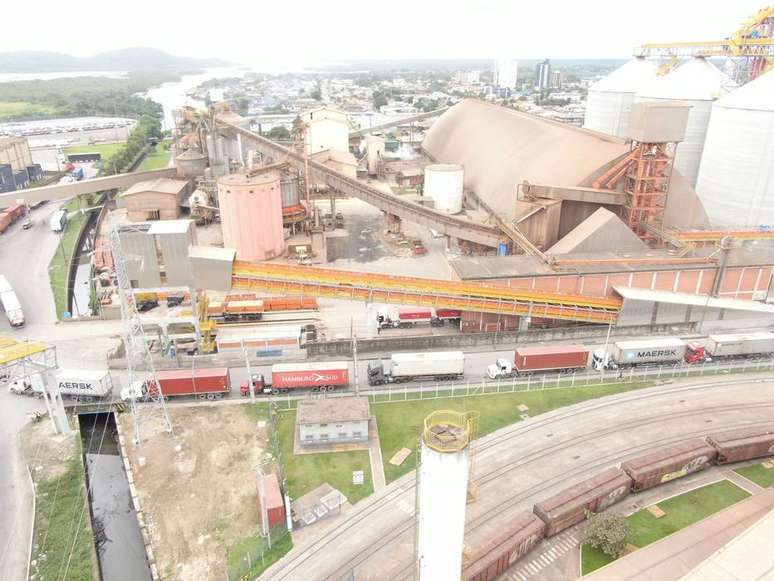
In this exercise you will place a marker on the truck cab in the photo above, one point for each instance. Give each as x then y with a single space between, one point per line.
136 391
257 383
696 353
500 368
24 387
376 373
601 360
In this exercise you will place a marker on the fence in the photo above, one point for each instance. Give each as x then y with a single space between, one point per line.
424 391
251 556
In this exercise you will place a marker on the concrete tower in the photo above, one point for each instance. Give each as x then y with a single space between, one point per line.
442 494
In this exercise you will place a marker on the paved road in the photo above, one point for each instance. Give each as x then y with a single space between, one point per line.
527 462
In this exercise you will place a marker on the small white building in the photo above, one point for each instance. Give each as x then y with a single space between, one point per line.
331 421
328 128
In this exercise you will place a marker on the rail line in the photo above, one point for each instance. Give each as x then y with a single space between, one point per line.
468 296
508 433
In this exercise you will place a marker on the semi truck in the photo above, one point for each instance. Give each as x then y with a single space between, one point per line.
404 367
58 220
529 360
409 317
11 215
758 344
286 377
654 351
10 303
84 385
205 383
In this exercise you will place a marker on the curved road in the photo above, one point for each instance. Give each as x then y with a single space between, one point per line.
527 462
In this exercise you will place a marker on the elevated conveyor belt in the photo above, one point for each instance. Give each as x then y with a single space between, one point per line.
382 288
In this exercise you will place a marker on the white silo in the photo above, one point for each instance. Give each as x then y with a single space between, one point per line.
610 99
444 185
697 83
736 176
442 495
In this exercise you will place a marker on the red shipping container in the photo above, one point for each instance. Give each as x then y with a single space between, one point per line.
551 357
17 211
300 375
415 314
275 507
196 381
448 313
5 221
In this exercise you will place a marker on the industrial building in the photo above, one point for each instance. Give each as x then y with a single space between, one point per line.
332 421
327 128
160 199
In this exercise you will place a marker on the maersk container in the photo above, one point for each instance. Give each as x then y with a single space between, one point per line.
84 383
326 375
550 358
445 363
740 344
662 350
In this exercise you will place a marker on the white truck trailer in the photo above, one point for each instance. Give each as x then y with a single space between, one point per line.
84 384
413 366
657 351
10 303
740 345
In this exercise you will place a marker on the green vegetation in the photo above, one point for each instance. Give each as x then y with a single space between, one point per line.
157 157
400 423
681 511
144 135
279 133
81 96
105 149
62 529
59 268
307 472
757 473
252 556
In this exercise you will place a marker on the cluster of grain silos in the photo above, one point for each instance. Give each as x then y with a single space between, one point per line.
251 214
736 176
444 185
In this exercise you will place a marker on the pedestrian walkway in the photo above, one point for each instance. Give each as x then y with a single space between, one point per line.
375 456
547 552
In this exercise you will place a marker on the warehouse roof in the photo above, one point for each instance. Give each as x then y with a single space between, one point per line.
170 227
160 185
335 155
600 231
339 409
212 253
660 296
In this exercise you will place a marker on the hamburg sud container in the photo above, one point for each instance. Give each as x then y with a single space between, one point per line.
194 381
493 557
663 350
551 358
743 444
669 463
324 375
595 494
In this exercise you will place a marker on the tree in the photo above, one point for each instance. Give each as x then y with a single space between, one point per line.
380 99
608 532
278 133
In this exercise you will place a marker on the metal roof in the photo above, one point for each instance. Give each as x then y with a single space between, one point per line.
757 95
160 186
13 350
339 409
212 253
695 80
170 227
658 296
627 78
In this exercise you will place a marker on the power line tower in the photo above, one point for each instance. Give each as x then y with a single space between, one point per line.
139 362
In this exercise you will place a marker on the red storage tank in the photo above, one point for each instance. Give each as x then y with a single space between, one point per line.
326 375
203 382
531 359
275 507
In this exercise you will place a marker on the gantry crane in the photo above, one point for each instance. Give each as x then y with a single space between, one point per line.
752 45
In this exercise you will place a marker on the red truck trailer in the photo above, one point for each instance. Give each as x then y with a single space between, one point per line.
285 377
528 360
206 383
410 316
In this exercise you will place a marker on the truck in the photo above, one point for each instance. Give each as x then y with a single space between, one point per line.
10 303
58 220
443 365
11 215
287 377
25 387
85 385
760 344
529 360
408 317
78 174
651 351
205 383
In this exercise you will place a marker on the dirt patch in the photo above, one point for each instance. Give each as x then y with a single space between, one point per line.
48 455
201 499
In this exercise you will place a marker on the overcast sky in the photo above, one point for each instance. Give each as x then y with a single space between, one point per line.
279 32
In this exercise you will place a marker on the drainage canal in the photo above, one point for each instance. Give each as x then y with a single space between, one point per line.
117 537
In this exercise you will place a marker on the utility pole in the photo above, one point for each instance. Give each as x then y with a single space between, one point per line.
354 354
54 403
249 373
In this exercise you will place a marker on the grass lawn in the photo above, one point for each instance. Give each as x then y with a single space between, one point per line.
245 556
757 473
401 423
157 158
19 109
307 472
60 263
62 525
681 511
105 149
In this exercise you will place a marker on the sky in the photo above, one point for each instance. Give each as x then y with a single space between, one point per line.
271 32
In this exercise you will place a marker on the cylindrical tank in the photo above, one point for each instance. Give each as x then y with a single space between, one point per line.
212 150
443 183
251 215
736 176
696 83
442 495
610 99
191 163
292 209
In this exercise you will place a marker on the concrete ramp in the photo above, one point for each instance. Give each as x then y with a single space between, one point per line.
601 231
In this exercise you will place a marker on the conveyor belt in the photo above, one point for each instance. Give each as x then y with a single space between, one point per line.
382 288
12 350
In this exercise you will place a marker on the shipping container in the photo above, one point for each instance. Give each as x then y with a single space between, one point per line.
493 557
246 306
550 358
740 345
318 376
84 384
743 444
280 336
275 506
669 463
10 303
207 383
661 350
431 364
5 220
569 507
448 314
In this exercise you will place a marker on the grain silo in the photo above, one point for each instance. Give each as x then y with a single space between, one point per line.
610 99
251 214
191 163
444 185
697 83
736 176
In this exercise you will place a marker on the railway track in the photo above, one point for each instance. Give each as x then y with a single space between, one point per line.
351 524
